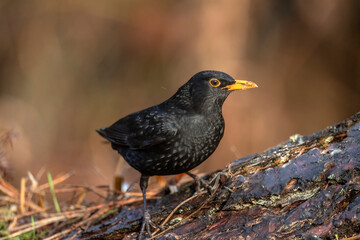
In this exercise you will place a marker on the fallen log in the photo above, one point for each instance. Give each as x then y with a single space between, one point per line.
305 188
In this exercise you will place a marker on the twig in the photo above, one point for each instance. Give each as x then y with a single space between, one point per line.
352 238
189 216
177 207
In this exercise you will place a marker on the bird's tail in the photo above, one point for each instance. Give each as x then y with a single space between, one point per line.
102 133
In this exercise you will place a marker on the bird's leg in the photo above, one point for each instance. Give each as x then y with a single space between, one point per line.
144 180
200 182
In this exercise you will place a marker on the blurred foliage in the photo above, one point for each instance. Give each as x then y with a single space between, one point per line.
69 67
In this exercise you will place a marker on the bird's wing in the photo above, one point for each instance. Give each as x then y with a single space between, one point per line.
141 130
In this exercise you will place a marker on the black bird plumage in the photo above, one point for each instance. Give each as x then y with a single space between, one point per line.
178 134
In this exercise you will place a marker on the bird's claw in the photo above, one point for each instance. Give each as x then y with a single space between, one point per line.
200 182
146 223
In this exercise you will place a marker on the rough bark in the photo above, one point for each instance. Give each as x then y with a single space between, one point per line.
306 188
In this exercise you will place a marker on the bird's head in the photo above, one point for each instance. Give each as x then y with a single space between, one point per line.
209 89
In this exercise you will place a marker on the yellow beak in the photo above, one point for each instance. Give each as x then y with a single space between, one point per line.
240 84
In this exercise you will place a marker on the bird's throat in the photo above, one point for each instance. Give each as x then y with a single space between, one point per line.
209 106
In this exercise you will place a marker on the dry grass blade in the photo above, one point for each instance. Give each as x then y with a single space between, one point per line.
26 214
8 189
38 224
80 199
22 195
80 217
55 181
15 196
14 225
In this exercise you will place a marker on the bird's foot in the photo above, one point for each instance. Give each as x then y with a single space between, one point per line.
146 223
211 189
200 183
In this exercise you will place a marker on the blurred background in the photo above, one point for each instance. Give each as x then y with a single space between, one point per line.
69 67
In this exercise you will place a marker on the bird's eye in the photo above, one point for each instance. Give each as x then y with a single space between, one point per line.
214 82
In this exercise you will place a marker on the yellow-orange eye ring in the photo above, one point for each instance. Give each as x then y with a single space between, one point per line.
214 82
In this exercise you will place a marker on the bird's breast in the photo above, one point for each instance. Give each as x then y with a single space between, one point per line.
196 139
204 137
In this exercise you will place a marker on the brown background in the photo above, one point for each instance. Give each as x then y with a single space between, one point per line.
69 67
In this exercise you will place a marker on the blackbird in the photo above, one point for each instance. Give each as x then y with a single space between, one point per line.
176 135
